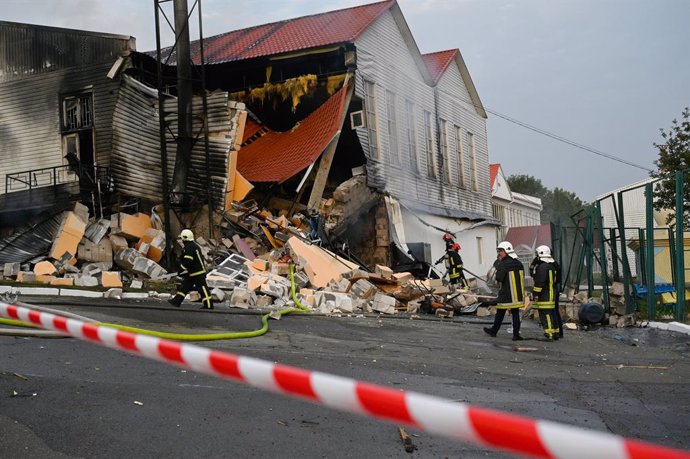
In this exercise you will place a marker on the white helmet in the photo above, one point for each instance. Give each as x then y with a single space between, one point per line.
544 253
187 235
508 248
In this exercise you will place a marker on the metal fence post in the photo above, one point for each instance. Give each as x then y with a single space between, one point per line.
680 250
649 267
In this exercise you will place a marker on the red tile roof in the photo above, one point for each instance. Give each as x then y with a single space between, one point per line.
438 62
493 172
277 156
305 32
529 237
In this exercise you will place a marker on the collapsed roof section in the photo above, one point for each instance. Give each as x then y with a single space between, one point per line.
277 156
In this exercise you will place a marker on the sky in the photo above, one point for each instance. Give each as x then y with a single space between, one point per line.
606 74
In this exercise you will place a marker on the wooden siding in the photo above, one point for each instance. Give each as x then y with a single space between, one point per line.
383 57
30 135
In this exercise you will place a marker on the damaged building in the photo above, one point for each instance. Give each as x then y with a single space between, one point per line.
336 115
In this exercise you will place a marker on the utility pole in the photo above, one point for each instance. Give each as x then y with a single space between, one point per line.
184 102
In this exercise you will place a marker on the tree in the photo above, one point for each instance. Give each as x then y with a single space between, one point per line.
674 155
556 203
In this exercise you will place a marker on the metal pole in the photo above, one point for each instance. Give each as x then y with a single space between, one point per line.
624 255
184 101
650 280
169 258
614 255
680 250
602 254
589 244
204 100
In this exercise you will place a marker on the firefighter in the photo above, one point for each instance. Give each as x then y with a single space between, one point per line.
544 271
194 272
448 241
511 296
453 260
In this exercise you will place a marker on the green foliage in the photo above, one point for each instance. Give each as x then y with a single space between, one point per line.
556 203
674 155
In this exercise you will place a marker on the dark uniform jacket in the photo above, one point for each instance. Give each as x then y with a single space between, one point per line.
192 260
510 273
454 264
545 278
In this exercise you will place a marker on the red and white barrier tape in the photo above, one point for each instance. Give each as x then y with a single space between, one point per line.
525 436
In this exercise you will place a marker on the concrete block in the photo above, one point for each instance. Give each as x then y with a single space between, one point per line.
132 227
259 264
69 235
152 244
26 276
263 301
280 269
44 268
403 278
88 251
118 242
114 293
86 281
483 312
626 321
5 289
217 294
136 283
383 303
111 279
363 289
62 281
11 269
242 296
384 271
97 230
319 264
80 293
45 278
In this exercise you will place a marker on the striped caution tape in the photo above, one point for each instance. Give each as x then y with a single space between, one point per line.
495 429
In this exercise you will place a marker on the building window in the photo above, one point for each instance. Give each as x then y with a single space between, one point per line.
77 112
429 145
460 152
445 166
370 106
473 161
480 249
392 127
411 136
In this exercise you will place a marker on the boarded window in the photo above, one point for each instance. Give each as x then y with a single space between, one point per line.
370 106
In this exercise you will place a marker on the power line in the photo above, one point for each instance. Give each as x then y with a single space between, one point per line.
569 142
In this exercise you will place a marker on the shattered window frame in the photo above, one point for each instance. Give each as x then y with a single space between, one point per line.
460 152
392 127
411 136
76 111
371 118
429 145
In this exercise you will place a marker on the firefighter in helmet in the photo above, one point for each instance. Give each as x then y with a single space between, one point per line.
193 272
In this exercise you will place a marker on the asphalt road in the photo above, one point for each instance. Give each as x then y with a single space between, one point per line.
64 398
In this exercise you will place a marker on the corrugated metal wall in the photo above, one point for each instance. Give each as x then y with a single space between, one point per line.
383 57
136 164
37 65
30 135
27 50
